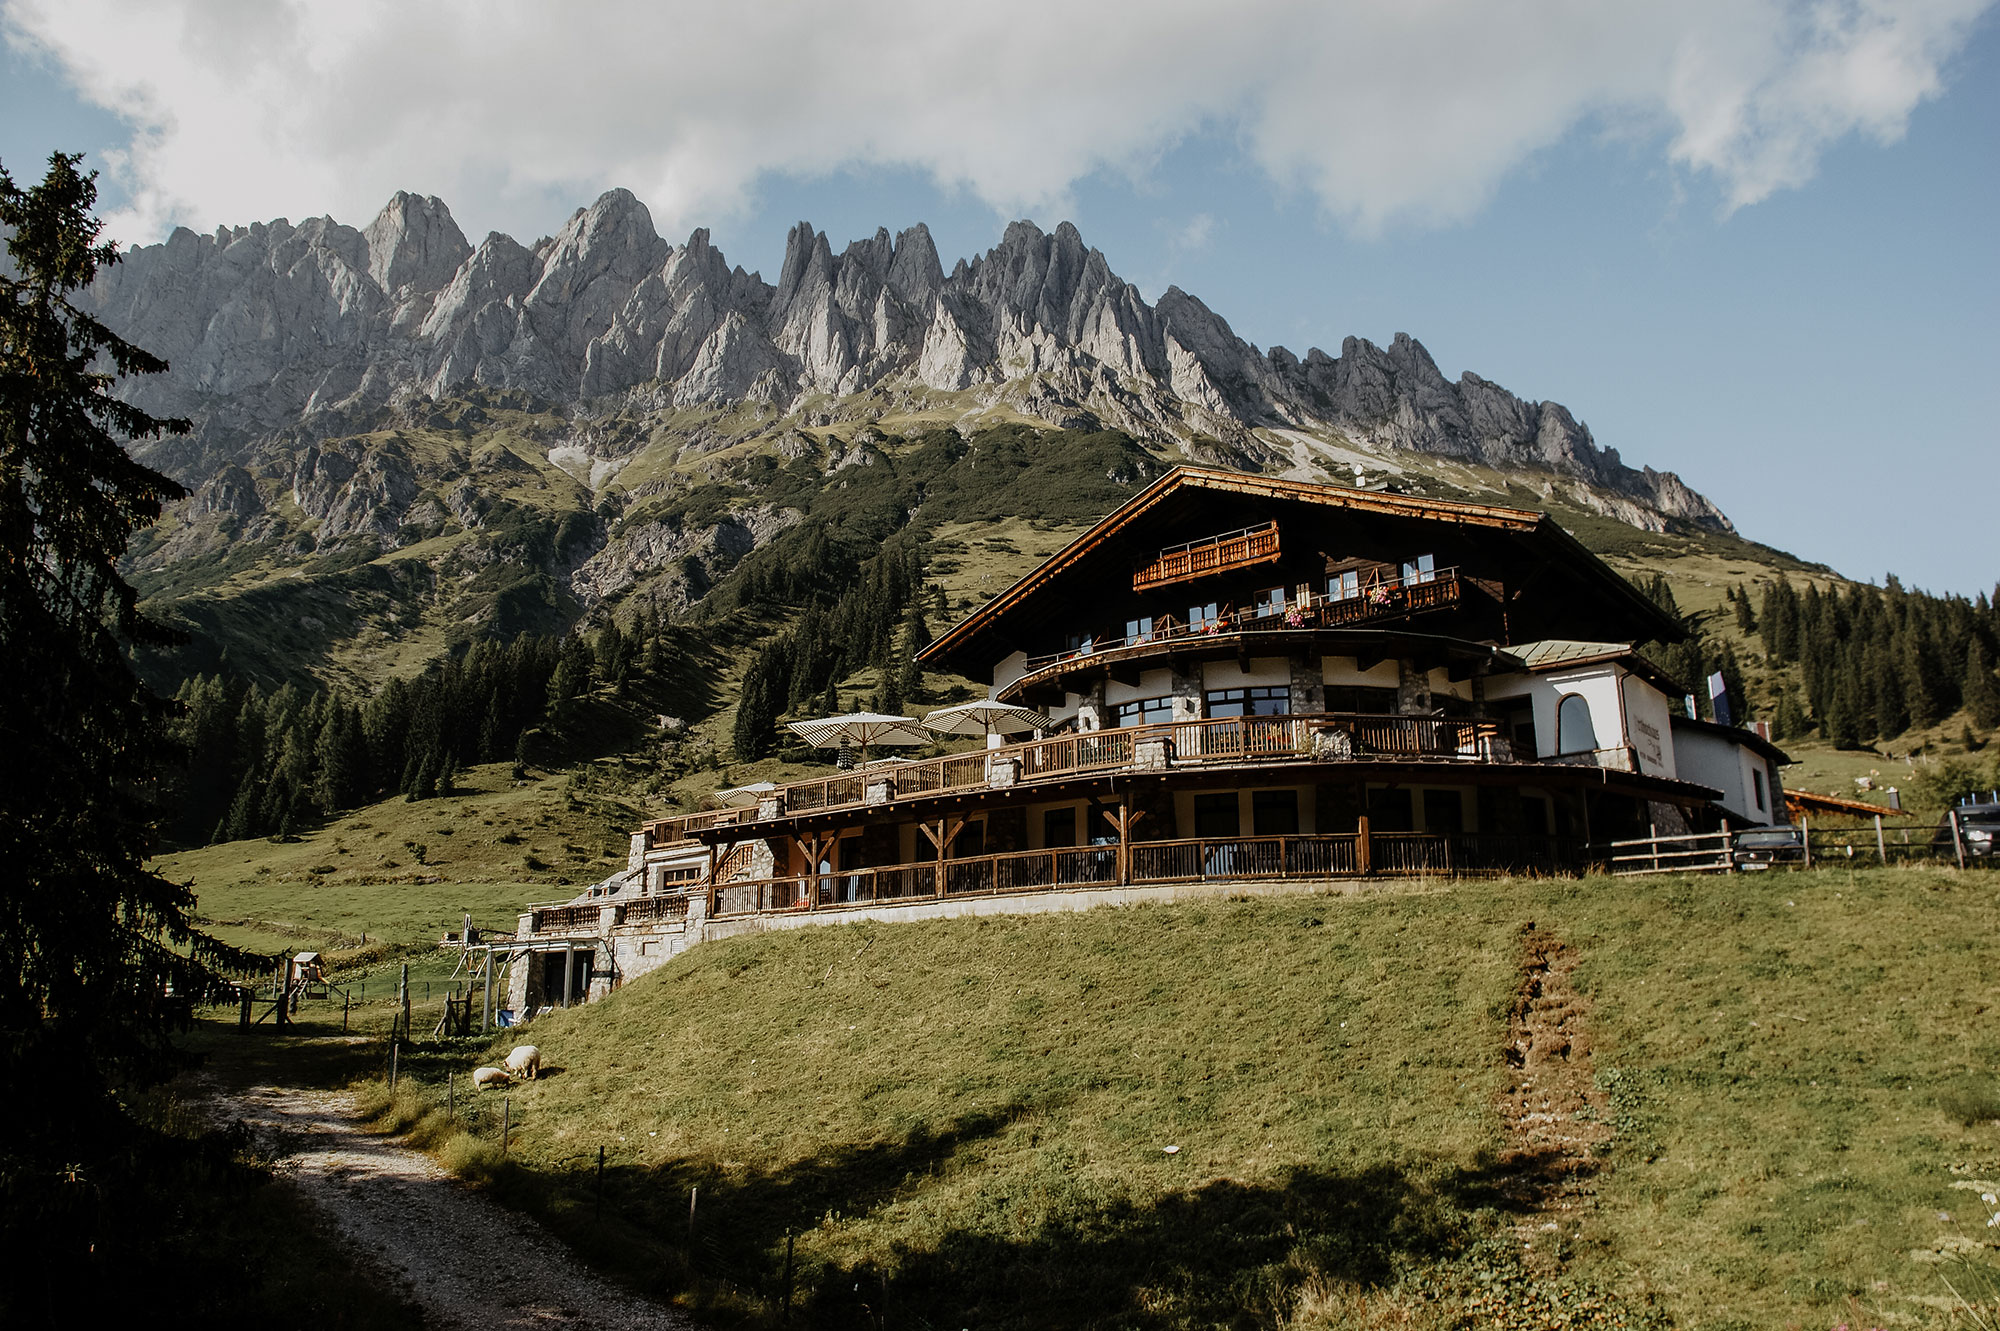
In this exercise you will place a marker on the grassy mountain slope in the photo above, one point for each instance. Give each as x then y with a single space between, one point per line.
966 1123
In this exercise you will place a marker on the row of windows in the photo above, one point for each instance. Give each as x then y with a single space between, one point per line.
1217 703
1274 700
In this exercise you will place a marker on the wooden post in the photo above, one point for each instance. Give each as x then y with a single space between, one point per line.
692 1194
244 999
392 1062
1957 842
786 1315
1805 837
1364 849
403 1000
346 1003
1881 846
1123 822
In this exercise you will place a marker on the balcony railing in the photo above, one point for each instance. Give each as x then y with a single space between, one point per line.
1412 594
1215 554
1204 859
1216 742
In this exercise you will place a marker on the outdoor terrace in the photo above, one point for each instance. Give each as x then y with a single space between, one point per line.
1221 742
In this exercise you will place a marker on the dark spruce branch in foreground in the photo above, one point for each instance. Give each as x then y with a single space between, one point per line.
1244 679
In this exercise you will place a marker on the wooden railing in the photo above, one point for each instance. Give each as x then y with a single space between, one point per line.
1215 554
1225 741
1203 859
655 910
1396 596
566 919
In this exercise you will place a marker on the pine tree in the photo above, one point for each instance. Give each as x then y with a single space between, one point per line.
1981 692
100 960
1789 721
1746 618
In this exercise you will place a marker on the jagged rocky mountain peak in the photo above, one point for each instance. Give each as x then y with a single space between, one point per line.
306 330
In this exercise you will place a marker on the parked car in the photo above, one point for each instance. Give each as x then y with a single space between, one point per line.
1762 847
1978 832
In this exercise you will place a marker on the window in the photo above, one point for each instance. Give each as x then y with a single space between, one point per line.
1520 724
1249 702
1344 586
1444 812
1367 701
1271 601
1535 815
1140 629
1201 616
1389 809
1059 827
971 840
1216 815
1146 712
1574 732
1274 813
1419 568
1757 780
1081 643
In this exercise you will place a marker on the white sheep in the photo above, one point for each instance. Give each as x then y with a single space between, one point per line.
490 1077
525 1062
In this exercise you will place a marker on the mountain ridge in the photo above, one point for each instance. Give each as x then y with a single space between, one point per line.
301 334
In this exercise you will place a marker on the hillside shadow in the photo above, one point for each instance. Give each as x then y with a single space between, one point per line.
1062 1250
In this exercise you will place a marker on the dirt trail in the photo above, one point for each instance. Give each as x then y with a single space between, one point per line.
467 1262
1556 1116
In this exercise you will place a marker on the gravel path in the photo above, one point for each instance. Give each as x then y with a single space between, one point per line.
467 1262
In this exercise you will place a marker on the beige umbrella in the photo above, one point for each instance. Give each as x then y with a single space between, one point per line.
862 729
742 797
986 717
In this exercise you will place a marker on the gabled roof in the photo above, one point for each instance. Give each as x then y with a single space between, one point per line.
1523 528
1562 653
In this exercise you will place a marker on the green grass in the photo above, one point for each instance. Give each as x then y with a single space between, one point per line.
964 1122
404 872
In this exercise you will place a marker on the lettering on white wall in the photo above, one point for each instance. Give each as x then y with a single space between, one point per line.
1649 744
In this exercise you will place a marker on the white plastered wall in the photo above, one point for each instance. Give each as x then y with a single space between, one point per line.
1650 725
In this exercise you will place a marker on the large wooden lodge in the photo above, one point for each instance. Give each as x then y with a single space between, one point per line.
1252 680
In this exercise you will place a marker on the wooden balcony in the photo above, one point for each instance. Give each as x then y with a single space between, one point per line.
1382 603
1357 854
1217 742
1215 554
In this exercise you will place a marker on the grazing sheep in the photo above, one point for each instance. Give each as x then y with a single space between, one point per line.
490 1077
525 1062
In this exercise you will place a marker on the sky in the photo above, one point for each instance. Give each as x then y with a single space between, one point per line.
1749 241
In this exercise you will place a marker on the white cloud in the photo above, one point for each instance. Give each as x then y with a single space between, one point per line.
1389 113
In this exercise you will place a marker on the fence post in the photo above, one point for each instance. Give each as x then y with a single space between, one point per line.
1364 850
1881 846
1957 842
1805 836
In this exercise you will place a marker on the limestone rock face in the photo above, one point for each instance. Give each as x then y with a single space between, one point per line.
308 329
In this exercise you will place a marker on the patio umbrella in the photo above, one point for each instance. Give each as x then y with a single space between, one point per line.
742 797
988 718
862 728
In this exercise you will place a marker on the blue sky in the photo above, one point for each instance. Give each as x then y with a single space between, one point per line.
1817 358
